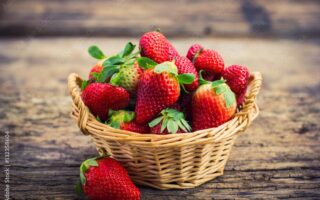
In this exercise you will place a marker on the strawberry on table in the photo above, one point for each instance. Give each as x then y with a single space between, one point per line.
124 120
159 88
171 121
237 77
103 178
96 96
213 104
154 45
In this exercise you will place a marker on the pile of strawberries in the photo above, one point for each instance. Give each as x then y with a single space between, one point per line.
156 90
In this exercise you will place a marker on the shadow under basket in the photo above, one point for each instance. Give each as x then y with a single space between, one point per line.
174 161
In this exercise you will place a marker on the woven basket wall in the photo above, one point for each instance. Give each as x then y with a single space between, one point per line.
174 161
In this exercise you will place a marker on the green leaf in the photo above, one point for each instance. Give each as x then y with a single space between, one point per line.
106 73
78 188
164 124
218 82
115 78
146 63
186 124
113 60
127 50
91 162
84 84
229 97
178 116
172 127
220 89
166 67
187 78
95 52
180 125
155 121
128 116
82 178
114 124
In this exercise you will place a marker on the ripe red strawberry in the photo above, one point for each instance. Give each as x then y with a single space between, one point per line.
104 178
124 120
135 127
213 104
158 89
210 61
237 77
193 50
171 121
96 96
155 46
185 66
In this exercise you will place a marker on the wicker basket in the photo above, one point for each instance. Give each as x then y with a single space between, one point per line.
174 161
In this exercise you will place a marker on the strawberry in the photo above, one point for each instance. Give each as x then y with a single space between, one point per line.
124 120
133 126
193 50
95 69
155 46
105 178
120 69
159 88
185 66
96 96
208 60
213 103
237 77
128 77
170 121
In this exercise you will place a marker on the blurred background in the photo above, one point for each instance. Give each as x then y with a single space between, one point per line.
43 41
285 18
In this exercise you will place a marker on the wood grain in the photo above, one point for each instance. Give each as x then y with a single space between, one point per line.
175 18
278 157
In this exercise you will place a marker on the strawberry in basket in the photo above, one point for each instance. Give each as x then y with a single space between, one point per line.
98 99
104 178
154 45
159 88
206 59
213 104
124 120
121 69
237 78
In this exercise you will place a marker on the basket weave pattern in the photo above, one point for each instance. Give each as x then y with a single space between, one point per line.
174 161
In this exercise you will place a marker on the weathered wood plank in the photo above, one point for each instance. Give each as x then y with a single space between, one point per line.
278 157
176 18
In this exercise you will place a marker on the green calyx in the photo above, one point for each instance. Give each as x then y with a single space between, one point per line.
95 52
91 162
172 120
116 118
113 64
220 87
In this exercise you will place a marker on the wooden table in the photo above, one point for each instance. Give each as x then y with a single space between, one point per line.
278 157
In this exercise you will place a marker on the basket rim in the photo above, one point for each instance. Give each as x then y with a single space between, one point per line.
87 122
